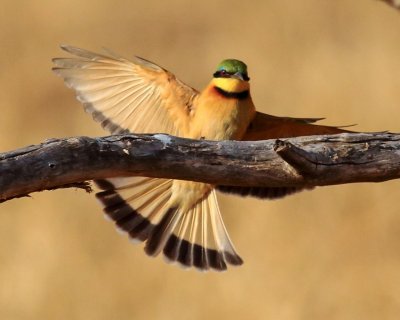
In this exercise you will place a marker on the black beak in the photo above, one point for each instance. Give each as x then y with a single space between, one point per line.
241 76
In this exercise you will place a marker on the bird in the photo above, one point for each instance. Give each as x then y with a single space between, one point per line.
178 219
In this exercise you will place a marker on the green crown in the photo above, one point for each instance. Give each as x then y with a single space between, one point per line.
232 66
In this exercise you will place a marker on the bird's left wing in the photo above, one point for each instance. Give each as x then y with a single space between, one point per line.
265 126
127 96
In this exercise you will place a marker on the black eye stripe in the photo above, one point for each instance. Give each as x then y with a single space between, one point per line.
222 74
226 74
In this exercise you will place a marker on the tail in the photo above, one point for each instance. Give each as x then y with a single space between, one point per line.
194 238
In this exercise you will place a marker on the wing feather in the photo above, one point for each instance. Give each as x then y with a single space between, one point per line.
265 126
127 96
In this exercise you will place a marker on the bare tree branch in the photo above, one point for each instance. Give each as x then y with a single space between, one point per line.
303 161
393 3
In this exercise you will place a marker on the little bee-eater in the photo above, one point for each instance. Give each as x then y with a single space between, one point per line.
179 218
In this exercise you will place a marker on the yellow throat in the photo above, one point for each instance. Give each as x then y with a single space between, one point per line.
231 84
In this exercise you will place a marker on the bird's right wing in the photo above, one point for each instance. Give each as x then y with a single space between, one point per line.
135 96
265 126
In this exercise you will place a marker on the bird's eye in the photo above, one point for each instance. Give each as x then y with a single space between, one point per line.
221 74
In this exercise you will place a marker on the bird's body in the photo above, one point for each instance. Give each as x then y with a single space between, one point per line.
229 117
179 218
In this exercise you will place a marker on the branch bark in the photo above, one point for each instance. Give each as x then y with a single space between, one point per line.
302 161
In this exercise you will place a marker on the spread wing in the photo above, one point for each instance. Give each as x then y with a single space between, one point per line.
265 126
127 96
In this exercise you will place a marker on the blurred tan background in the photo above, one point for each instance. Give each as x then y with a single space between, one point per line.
333 253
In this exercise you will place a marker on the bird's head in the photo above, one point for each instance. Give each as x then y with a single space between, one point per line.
231 68
231 76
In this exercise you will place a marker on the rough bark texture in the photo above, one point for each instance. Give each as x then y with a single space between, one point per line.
303 161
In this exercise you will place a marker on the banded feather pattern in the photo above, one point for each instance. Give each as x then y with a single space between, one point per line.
197 238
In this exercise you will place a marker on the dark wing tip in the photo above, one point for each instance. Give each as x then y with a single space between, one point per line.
216 260
200 257
185 256
261 192
311 120
172 248
125 217
188 254
157 236
175 249
141 230
232 259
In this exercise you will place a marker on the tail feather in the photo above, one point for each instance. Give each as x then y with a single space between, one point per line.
225 242
174 246
186 254
193 238
201 240
159 235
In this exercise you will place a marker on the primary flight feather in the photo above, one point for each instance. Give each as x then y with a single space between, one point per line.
181 219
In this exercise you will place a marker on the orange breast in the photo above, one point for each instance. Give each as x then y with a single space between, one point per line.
220 118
